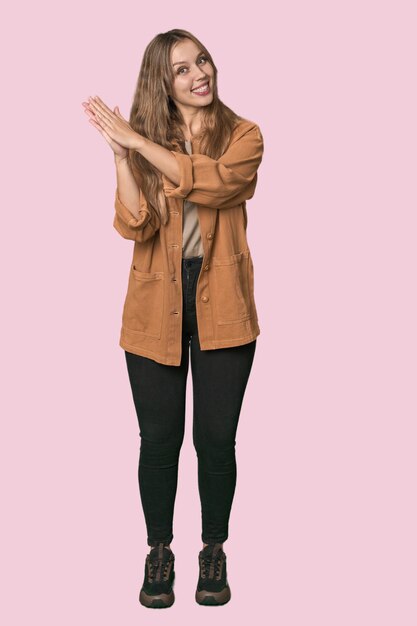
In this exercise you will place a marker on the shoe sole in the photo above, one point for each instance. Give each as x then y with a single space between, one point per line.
213 598
159 600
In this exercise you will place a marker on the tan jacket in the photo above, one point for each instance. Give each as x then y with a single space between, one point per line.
225 304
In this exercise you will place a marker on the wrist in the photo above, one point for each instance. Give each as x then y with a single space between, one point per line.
140 142
118 159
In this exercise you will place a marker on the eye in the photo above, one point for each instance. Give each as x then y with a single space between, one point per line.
202 58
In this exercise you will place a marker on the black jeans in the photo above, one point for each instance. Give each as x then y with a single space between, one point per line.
219 381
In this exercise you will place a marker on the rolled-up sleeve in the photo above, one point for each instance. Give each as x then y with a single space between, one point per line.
219 183
136 228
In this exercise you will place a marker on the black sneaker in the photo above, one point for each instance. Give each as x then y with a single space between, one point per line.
212 588
157 589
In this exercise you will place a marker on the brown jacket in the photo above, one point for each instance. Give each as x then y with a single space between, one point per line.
225 304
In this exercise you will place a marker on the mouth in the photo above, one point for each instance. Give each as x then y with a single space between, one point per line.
202 90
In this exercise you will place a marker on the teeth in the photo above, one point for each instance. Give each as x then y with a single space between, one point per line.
202 88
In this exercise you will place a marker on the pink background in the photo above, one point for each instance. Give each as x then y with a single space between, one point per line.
323 525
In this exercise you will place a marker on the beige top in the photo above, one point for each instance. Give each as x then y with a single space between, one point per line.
191 236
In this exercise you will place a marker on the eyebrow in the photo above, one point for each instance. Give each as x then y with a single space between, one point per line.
179 62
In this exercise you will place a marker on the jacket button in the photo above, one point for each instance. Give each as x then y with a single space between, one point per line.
210 235
174 312
204 298
206 267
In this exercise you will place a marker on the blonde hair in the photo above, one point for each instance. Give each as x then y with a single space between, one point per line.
155 115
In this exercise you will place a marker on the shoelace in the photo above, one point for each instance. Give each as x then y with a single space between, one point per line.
210 565
156 565
156 569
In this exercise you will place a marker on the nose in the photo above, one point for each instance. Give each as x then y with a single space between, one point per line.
200 74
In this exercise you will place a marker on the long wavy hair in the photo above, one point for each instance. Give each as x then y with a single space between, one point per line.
154 115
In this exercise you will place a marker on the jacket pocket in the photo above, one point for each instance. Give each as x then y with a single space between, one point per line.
144 306
232 293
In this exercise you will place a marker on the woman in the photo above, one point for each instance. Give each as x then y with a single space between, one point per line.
185 166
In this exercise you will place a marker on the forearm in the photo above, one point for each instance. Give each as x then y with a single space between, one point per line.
161 158
220 183
127 187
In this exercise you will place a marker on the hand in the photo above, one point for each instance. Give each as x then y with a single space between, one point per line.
112 125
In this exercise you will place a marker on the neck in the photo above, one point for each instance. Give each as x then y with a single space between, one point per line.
192 124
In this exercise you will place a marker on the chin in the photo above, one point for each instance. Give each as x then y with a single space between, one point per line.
204 101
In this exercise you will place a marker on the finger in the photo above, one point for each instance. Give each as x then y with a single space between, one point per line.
103 132
107 129
102 104
90 113
102 119
96 125
119 115
91 110
104 123
97 122
102 108
99 113
106 136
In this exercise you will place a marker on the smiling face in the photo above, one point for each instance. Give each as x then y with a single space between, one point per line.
192 71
